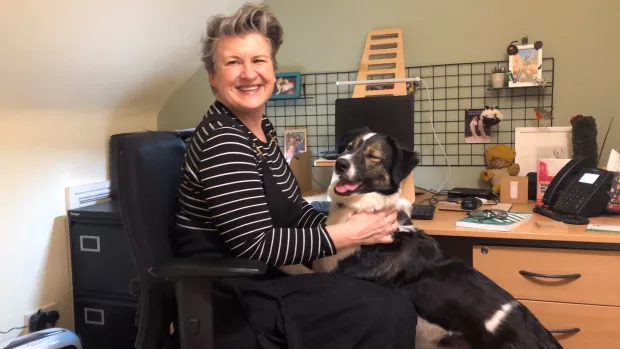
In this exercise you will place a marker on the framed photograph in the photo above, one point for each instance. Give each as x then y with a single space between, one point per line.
525 67
294 142
288 85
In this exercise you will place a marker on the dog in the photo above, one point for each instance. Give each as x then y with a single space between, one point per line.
458 306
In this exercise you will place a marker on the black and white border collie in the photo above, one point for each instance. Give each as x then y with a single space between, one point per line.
458 307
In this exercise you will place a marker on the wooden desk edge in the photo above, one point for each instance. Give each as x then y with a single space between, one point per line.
586 237
324 163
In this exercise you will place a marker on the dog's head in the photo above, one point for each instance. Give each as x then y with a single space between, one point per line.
373 163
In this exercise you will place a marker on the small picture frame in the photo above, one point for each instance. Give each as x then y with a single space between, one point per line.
287 86
295 142
525 67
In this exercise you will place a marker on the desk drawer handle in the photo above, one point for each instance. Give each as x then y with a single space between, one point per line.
566 330
550 276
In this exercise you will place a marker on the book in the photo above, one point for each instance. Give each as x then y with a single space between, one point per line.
513 220
607 228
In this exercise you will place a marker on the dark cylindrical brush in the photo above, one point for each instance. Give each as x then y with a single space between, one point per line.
584 134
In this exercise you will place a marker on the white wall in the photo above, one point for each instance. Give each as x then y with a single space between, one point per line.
71 74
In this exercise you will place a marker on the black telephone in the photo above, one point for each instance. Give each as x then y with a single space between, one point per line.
576 193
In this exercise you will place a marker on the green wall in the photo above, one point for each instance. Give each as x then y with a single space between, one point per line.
323 36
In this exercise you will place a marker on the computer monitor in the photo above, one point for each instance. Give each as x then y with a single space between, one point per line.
389 115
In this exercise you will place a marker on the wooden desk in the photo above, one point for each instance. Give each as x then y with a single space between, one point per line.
584 295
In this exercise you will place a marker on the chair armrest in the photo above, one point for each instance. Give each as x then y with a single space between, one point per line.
208 267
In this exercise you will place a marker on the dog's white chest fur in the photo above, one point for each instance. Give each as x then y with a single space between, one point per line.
343 207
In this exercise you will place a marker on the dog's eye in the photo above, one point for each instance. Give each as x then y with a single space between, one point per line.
349 147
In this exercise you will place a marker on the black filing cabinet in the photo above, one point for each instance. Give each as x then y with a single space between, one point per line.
102 270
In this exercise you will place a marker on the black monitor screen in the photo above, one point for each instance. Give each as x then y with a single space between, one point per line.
388 115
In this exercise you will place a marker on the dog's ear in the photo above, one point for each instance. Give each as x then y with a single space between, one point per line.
404 161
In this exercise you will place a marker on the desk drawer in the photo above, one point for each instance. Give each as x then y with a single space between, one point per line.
579 276
598 325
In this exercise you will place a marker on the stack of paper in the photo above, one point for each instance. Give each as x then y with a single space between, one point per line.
613 163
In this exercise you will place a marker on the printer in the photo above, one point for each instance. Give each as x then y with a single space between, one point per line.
51 338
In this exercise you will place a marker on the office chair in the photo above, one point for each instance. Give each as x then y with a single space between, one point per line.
170 290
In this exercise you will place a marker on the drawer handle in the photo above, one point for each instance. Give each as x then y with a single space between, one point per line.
550 276
93 242
566 330
94 316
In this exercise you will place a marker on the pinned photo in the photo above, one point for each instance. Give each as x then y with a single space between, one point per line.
475 129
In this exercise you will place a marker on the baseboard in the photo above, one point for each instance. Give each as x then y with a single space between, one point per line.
87 194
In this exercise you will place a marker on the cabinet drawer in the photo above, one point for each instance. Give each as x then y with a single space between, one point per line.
100 259
103 324
598 325
575 276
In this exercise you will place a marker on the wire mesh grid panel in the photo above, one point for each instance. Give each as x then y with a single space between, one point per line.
453 89
315 110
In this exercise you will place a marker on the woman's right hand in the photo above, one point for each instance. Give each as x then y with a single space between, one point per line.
365 229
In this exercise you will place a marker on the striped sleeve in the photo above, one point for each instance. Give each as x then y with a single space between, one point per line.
310 217
233 194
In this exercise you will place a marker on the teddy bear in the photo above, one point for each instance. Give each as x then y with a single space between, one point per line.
500 162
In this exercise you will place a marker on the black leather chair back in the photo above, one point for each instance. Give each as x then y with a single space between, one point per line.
148 171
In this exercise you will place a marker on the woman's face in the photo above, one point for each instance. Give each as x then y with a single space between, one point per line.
244 75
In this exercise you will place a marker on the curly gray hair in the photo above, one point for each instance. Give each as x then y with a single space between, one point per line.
250 18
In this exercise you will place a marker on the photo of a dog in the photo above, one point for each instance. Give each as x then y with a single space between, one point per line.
458 307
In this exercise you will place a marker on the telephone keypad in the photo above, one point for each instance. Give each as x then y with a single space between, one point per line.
572 199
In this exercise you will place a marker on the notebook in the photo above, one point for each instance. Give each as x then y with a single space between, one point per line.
513 220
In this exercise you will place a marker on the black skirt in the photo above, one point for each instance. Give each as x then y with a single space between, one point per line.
310 311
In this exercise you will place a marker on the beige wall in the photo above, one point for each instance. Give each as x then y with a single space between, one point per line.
41 153
326 35
188 104
71 74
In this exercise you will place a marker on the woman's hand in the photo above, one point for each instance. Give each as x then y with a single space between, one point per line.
364 229
373 228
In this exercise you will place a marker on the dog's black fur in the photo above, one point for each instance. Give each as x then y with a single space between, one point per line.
445 290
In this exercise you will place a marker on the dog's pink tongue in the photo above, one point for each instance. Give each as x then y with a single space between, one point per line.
344 186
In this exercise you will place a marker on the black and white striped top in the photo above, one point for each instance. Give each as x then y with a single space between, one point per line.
221 192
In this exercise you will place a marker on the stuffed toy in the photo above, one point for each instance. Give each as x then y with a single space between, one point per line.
500 162
491 116
584 133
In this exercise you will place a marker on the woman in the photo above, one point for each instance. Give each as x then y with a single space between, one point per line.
239 195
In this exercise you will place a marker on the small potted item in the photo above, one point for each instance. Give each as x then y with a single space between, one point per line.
498 75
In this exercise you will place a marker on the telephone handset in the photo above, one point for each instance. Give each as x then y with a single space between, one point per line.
576 193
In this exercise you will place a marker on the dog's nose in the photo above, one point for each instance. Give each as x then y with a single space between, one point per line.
342 165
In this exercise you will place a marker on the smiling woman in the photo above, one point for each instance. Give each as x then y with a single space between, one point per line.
239 197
